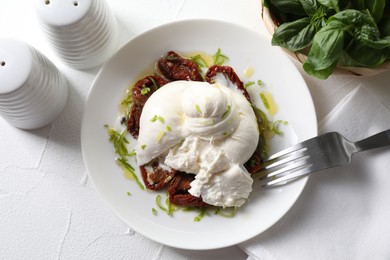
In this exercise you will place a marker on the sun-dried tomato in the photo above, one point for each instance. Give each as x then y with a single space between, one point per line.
142 90
155 177
178 191
254 163
175 67
230 74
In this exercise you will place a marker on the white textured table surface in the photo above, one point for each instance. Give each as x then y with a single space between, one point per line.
48 207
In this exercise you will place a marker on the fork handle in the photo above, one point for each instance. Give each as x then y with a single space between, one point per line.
375 141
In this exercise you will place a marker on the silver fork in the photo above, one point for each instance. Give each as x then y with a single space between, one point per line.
318 153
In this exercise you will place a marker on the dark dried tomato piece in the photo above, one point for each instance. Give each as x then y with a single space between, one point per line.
142 90
178 191
175 67
155 177
253 165
230 74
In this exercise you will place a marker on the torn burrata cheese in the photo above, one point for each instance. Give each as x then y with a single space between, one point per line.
205 129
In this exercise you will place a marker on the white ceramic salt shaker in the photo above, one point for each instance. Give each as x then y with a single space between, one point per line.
32 90
84 33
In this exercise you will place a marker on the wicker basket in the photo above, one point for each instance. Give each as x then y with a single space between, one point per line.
270 24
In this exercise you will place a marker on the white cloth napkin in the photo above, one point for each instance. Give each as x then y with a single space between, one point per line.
343 213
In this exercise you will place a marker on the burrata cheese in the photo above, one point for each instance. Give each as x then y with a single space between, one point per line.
205 129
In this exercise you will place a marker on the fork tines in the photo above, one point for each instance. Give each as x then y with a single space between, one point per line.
285 166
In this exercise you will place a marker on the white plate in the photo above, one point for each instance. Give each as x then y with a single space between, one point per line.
245 48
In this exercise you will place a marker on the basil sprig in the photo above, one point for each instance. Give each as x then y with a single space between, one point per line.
349 33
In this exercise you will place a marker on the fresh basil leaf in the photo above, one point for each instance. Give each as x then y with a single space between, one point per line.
384 26
287 6
363 28
360 55
354 18
331 4
318 73
310 6
370 36
326 50
295 35
375 7
320 17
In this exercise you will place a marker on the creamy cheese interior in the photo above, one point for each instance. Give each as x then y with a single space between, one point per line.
209 130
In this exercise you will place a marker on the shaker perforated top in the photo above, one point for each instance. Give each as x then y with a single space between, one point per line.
63 12
16 62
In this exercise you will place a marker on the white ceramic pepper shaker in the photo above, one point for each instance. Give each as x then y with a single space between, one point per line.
32 90
84 33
